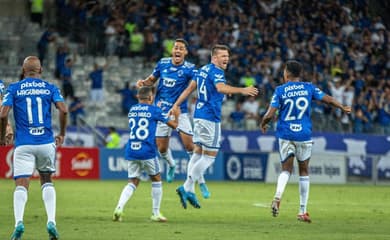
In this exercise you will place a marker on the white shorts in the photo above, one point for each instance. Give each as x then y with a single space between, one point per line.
27 158
150 166
301 150
97 95
207 134
163 130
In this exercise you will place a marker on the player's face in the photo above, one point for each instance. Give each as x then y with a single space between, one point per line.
179 52
221 59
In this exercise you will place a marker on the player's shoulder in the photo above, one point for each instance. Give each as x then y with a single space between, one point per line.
166 60
187 64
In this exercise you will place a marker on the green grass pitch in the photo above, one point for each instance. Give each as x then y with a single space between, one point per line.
236 210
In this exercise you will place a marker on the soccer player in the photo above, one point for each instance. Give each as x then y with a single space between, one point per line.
211 87
9 133
141 151
293 101
35 146
175 74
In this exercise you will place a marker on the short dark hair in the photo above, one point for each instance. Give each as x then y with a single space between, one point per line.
145 92
294 68
182 40
218 47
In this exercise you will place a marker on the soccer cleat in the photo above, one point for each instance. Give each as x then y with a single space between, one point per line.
52 230
275 207
205 191
171 173
117 216
193 200
158 218
18 232
183 196
304 217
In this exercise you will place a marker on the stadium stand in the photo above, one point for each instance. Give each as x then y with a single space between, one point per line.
344 46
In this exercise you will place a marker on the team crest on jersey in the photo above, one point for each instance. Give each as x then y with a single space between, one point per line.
180 73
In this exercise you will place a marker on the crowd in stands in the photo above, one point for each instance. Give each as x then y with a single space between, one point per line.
343 45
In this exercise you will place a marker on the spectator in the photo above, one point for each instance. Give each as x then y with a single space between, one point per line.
61 55
36 11
66 78
96 77
384 112
76 110
113 139
237 117
43 43
129 97
251 109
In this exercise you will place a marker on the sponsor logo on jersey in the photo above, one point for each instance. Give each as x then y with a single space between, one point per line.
37 131
169 82
295 127
33 85
82 164
136 145
199 105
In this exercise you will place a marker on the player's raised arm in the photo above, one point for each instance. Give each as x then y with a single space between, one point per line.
227 89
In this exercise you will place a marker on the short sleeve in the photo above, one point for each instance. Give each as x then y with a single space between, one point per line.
275 103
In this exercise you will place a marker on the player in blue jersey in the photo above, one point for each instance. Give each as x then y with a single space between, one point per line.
175 74
9 133
293 101
141 151
211 87
35 146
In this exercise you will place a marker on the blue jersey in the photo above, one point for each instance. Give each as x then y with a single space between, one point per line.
293 100
31 99
173 81
209 103
97 79
143 120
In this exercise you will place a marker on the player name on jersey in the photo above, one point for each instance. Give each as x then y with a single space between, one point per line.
290 91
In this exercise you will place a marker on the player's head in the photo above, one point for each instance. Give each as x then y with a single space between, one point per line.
145 94
292 71
31 66
179 51
220 55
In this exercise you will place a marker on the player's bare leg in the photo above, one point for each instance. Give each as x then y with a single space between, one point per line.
163 148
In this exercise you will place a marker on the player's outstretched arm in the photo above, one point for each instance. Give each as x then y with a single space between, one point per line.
227 89
330 100
184 95
268 116
63 111
149 81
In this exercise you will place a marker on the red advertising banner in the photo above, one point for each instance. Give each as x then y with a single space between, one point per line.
71 163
